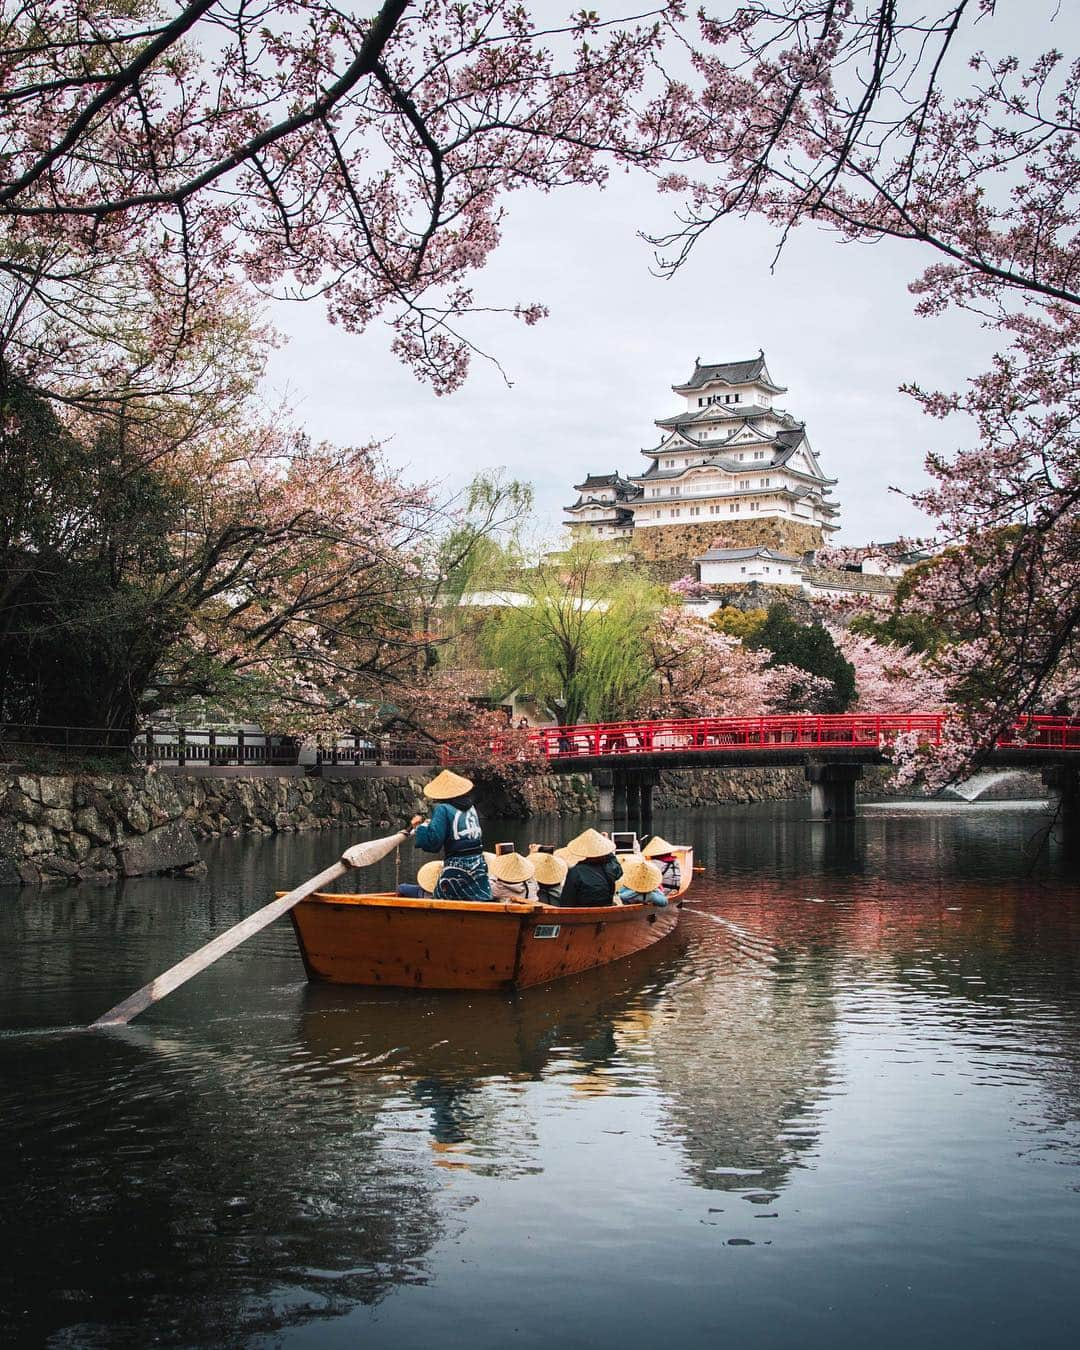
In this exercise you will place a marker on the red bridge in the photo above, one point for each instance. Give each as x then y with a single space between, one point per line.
739 740
625 758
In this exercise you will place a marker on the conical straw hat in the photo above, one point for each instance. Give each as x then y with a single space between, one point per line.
591 844
641 876
447 785
489 859
549 870
512 867
428 875
564 855
656 847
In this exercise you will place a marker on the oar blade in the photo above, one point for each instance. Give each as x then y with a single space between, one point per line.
225 942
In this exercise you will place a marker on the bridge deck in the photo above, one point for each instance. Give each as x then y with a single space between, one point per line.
731 741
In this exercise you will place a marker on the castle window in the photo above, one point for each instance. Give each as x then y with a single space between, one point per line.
695 510
675 512
758 454
754 506
765 482
733 508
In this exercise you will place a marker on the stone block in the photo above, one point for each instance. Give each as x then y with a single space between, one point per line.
37 839
56 791
52 865
138 821
89 822
161 850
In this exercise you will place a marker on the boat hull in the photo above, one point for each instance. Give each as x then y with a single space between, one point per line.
453 944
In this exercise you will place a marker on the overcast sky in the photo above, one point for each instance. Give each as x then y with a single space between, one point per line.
835 321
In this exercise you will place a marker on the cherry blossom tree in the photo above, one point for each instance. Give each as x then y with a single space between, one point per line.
701 672
243 565
890 679
842 114
152 151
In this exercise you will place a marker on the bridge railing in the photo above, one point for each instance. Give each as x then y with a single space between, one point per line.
868 731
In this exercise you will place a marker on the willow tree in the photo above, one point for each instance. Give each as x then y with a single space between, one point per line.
574 631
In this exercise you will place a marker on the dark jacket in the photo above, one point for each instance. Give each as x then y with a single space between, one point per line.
591 883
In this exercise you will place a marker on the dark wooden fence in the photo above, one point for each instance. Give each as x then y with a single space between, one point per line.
200 746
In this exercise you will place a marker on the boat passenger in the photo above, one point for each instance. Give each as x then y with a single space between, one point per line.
591 880
454 830
659 851
426 880
550 874
513 878
640 883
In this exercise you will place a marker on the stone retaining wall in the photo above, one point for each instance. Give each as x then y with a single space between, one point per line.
60 829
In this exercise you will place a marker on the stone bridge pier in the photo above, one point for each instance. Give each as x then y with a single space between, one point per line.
832 790
1064 780
626 796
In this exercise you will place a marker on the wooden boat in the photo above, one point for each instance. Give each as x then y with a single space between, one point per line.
457 944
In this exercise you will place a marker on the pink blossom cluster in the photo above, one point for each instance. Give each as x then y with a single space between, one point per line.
317 149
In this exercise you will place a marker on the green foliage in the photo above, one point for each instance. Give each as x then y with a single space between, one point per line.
918 631
904 626
808 647
579 641
740 623
81 526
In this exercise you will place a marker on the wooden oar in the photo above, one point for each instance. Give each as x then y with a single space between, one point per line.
360 855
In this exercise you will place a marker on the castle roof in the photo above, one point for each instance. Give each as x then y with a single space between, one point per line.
784 444
617 507
730 372
747 422
741 554
603 480
725 412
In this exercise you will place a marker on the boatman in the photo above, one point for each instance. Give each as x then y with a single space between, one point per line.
454 830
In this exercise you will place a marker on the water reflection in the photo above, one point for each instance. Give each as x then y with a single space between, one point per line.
454 1055
861 1050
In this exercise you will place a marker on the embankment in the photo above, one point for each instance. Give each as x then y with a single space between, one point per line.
57 829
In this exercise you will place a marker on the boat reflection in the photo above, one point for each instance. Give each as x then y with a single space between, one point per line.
457 1056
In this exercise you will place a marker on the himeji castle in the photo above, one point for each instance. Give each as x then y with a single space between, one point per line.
729 463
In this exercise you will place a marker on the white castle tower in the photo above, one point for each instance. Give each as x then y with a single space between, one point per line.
729 463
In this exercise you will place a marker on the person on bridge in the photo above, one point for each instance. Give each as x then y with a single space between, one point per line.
659 851
454 830
591 880
640 884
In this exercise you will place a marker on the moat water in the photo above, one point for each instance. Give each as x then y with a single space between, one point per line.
840 1108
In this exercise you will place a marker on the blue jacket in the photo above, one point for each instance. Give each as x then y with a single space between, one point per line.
630 897
451 832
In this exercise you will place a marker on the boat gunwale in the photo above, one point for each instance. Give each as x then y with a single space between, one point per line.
386 900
